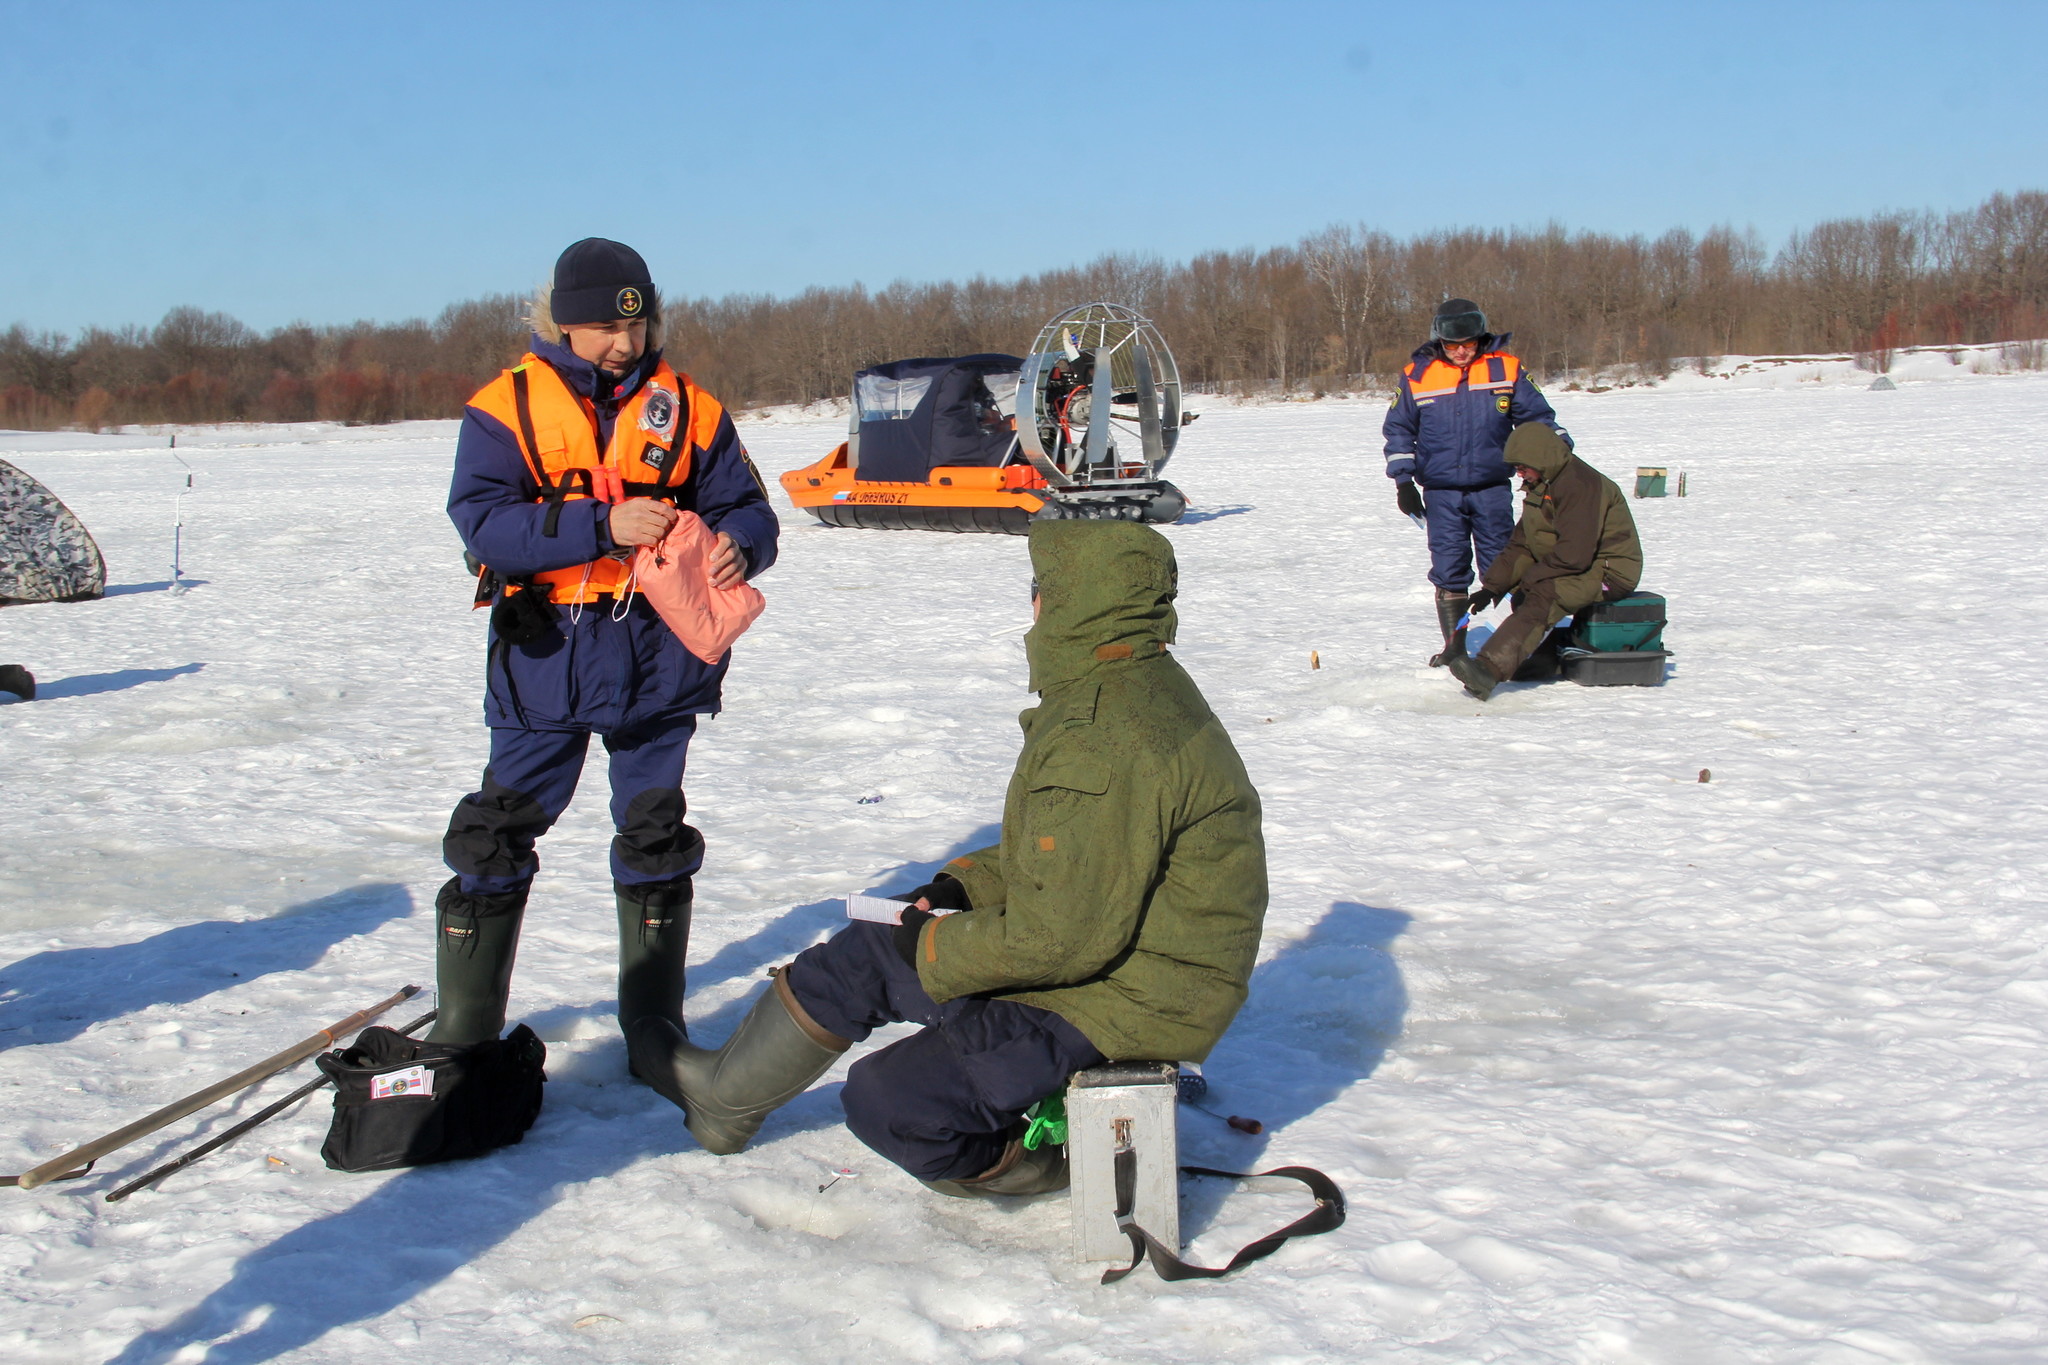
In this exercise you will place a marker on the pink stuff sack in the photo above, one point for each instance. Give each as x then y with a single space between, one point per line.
676 577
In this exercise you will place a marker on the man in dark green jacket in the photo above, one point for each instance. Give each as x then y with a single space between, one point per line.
1575 545
1118 918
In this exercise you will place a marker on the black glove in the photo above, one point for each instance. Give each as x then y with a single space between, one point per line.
1408 498
905 934
1481 600
941 893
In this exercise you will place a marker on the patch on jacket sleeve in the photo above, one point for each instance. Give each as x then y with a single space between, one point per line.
962 863
1108 652
1045 843
748 461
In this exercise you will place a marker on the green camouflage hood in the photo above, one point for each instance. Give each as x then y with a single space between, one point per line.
1105 591
1539 447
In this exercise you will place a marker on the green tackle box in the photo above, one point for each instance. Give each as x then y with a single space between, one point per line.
1633 624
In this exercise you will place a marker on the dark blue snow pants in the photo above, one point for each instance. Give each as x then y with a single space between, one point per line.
1461 519
532 775
943 1102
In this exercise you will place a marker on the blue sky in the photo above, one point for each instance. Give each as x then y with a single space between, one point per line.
284 161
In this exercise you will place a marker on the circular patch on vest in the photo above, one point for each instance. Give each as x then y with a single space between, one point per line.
660 413
630 302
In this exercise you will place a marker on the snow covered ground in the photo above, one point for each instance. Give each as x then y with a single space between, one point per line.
1615 1065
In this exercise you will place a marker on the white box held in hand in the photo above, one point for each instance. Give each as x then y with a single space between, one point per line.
879 909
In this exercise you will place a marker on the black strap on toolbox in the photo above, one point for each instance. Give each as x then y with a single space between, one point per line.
1326 1216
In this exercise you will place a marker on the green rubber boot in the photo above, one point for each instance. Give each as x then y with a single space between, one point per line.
771 1058
476 937
1021 1171
1449 611
654 942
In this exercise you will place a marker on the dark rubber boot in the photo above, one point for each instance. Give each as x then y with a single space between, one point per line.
18 680
771 1058
1477 677
654 941
476 938
1021 1171
1450 611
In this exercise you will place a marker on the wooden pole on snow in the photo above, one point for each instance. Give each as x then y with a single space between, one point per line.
199 1099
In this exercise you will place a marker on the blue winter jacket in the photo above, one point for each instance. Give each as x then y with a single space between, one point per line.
595 672
1453 438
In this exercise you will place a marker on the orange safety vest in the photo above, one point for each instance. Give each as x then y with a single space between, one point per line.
1500 371
657 432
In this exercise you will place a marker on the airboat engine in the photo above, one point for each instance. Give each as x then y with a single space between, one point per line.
1080 427
1098 414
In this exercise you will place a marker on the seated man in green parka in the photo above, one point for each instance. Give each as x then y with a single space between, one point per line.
1119 917
1575 545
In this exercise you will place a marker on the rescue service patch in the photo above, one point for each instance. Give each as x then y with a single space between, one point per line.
1501 400
630 302
658 413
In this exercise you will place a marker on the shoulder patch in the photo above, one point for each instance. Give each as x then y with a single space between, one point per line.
748 461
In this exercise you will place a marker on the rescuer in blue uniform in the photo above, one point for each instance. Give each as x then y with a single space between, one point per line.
1454 405
566 462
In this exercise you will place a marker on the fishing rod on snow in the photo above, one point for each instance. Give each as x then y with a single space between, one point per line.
61 1167
264 1115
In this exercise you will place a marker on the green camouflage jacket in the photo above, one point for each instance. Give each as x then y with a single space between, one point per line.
1129 888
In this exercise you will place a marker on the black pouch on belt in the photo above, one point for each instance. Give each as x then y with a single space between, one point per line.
524 617
400 1101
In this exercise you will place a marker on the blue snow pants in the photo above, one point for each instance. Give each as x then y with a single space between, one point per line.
531 776
1461 519
942 1103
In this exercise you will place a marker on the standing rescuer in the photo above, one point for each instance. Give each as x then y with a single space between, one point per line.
1119 916
1575 545
1454 405
568 461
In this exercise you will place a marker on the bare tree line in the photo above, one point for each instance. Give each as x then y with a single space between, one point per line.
1339 310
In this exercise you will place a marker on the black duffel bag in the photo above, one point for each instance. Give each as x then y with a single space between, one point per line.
402 1102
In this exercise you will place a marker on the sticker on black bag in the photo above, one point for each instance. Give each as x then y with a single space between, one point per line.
402 1102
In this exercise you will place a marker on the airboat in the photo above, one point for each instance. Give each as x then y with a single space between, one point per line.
1080 427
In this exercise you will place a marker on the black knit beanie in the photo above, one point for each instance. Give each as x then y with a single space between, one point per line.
600 281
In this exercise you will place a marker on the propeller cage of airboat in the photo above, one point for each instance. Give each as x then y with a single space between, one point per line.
1098 400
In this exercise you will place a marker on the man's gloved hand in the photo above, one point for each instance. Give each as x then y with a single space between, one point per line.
1408 498
941 893
1481 600
906 933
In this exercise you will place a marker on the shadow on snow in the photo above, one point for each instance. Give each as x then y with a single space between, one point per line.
1320 1017
54 996
1194 516
92 684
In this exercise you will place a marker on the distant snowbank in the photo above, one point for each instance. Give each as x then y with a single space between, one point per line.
1909 365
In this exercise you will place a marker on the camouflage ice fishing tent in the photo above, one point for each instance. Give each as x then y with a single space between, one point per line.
46 554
